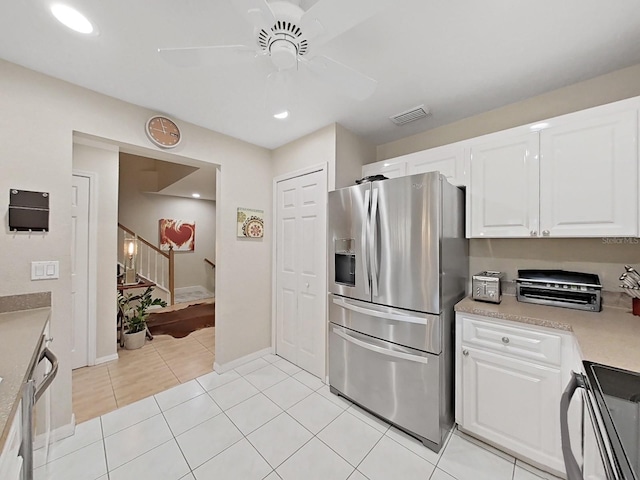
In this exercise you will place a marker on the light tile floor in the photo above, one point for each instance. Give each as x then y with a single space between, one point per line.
162 363
265 420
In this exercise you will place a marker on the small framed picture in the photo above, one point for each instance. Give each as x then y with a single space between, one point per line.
250 223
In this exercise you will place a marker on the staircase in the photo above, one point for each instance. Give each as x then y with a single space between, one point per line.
152 264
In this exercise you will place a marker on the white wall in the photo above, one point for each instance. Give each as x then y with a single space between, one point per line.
141 211
39 117
104 163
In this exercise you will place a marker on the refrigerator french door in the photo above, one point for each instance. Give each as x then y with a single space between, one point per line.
385 242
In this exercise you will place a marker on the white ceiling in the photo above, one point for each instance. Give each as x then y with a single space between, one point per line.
459 57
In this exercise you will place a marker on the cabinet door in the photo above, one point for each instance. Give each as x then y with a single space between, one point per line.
589 177
388 168
448 160
504 188
513 403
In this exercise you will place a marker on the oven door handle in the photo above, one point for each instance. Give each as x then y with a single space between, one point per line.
574 472
49 377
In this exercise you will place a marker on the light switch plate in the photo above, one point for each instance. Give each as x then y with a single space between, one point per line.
45 270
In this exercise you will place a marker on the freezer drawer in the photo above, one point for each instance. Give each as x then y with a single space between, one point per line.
403 327
397 383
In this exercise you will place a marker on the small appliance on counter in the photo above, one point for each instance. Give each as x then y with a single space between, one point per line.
487 286
560 288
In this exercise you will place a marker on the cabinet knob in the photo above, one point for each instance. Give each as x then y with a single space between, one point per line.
505 339
465 352
546 233
49 340
307 284
533 233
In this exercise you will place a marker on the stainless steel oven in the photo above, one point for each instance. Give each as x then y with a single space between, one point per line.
611 424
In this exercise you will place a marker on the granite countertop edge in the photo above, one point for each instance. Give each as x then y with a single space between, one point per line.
22 322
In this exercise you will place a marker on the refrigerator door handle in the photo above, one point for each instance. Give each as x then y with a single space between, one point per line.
341 302
351 337
373 243
363 243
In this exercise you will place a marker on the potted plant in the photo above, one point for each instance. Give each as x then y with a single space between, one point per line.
134 311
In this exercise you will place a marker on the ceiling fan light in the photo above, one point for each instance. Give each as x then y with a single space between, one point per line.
71 18
282 115
284 54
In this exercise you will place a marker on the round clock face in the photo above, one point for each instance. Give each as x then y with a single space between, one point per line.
163 132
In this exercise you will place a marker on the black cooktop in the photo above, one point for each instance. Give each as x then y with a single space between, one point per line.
555 276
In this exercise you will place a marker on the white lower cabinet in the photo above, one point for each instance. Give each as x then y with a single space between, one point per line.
10 459
508 390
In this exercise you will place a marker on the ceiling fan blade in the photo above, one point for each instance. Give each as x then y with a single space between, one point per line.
256 12
213 55
347 80
329 18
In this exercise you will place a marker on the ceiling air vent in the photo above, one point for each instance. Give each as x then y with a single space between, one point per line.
416 113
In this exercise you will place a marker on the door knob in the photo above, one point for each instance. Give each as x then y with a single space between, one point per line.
505 340
465 352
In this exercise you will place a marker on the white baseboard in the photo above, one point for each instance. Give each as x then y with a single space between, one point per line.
108 358
241 361
56 434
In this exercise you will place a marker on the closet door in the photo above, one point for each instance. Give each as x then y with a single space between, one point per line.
301 289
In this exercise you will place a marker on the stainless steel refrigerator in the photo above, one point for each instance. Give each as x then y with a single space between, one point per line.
398 263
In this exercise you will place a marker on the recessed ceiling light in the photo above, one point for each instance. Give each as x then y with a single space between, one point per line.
72 18
281 115
195 195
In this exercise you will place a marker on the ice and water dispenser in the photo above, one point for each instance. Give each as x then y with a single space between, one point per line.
345 261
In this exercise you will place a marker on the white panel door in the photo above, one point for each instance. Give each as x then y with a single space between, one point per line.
301 271
79 271
389 168
448 160
504 188
513 403
589 177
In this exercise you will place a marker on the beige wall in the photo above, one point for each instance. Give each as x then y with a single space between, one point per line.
351 153
314 149
39 117
608 88
604 257
103 161
141 211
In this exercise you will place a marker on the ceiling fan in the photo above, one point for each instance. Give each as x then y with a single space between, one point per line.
289 37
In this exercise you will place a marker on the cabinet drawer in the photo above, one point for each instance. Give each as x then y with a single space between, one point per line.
519 342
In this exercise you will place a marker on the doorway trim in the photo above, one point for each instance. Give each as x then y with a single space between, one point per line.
92 270
324 168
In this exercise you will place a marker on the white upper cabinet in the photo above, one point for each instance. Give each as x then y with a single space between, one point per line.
448 160
392 168
504 185
575 177
589 176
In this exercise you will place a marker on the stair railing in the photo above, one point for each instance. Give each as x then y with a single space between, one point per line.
152 263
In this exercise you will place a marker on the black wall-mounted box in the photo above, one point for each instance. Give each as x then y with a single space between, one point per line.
28 211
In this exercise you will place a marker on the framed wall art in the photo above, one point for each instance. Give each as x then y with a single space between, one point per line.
250 223
179 234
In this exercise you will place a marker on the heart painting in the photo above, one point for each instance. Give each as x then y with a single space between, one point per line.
179 234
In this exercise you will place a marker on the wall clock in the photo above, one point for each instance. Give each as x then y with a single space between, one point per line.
163 131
